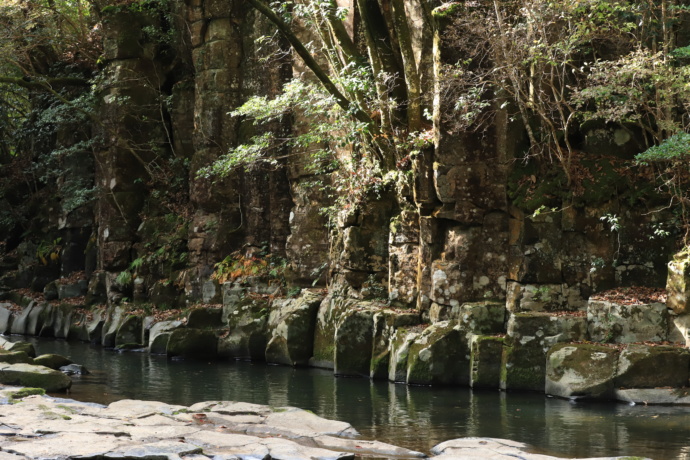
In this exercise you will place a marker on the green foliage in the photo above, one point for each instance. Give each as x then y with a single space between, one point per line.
674 149
238 267
48 251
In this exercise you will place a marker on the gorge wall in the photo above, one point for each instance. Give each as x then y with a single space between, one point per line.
480 256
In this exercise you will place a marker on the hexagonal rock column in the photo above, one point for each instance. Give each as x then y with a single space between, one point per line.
485 361
529 337
439 355
291 326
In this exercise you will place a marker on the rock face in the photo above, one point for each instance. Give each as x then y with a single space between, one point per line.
461 264
37 427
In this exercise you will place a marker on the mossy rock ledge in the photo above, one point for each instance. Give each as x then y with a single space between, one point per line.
30 375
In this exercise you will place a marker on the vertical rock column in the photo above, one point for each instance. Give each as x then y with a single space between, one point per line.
249 209
465 239
132 132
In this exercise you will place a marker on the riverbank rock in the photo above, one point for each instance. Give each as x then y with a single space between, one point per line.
439 355
192 342
248 333
30 375
582 371
290 324
159 335
528 339
17 346
645 366
52 361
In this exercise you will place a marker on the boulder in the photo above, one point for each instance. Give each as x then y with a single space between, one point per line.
29 375
14 357
614 323
578 371
94 328
644 366
18 346
159 334
56 321
439 355
52 361
291 324
19 324
6 318
192 342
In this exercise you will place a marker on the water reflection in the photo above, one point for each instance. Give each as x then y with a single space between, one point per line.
414 417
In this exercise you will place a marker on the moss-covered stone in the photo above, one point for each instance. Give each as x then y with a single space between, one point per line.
18 346
331 308
159 334
354 338
581 371
113 319
130 332
522 368
439 355
399 354
529 336
248 332
24 392
29 375
644 366
51 361
203 318
485 362
192 342
291 326
14 357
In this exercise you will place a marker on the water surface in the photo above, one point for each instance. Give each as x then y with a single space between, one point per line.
413 417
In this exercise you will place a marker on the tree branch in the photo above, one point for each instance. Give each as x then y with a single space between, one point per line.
309 60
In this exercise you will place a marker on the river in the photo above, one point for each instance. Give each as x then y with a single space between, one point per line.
413 417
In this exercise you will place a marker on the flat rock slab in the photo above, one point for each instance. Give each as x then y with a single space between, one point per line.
491 449
41 427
